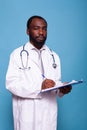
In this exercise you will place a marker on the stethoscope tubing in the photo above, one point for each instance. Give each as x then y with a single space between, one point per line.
26 66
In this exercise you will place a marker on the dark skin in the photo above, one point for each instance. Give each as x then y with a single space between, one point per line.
37 32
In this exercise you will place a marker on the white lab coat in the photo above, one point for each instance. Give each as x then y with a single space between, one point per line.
31 110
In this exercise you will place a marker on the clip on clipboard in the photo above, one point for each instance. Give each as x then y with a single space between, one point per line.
73 82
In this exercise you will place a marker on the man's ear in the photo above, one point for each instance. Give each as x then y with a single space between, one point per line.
27 31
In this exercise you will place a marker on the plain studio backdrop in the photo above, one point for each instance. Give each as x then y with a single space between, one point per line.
67 35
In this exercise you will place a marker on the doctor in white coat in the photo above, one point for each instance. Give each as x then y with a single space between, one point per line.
27 75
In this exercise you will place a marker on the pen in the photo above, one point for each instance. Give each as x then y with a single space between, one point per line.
43 76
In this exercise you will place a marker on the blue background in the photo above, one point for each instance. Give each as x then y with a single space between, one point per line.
67 35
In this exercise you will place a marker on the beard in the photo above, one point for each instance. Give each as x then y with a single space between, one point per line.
38 41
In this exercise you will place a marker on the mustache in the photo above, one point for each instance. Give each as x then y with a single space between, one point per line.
41 36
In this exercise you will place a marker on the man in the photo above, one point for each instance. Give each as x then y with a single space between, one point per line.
34 67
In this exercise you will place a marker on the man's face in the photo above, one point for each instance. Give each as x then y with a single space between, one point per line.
37 32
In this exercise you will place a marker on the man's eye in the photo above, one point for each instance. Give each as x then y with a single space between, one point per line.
35 28
45 29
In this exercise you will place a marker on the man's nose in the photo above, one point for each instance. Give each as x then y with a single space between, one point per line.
41 31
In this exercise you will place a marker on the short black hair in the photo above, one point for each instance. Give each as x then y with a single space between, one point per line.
32 17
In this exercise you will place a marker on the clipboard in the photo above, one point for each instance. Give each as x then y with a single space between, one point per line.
72 83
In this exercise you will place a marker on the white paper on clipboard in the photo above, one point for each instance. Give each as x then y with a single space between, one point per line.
73 82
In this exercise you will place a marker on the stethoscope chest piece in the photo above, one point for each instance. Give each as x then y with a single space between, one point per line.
54 65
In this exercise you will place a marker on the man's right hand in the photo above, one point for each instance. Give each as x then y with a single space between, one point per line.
48 83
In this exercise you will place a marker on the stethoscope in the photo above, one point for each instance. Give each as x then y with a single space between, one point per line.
24 67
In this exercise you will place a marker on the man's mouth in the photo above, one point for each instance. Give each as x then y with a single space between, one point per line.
40 38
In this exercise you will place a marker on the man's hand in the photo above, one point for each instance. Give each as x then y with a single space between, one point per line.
66 89
48 83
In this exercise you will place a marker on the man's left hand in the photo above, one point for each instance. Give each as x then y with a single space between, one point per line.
66 89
